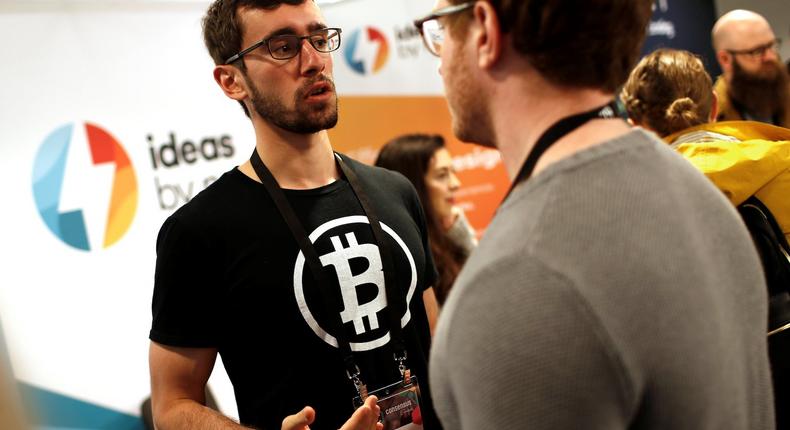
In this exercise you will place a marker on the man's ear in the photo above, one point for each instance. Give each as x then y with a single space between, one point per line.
487 34
725 60
231 81
714 107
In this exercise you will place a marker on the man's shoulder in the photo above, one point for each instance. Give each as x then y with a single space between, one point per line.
214 200
609 160
720 87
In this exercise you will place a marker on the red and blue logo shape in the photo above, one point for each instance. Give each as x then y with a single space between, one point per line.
367 50
84 186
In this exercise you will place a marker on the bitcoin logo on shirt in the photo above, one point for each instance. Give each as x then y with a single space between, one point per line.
341 260
362 310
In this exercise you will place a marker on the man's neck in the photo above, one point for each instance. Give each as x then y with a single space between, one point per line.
538 106
297 161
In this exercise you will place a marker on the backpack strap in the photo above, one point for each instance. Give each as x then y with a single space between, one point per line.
773 248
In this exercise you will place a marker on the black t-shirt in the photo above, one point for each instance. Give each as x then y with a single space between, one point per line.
229 275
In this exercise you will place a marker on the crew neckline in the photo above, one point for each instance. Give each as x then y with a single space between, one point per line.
324 189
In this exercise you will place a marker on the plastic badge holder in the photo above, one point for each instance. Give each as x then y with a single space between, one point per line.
400 405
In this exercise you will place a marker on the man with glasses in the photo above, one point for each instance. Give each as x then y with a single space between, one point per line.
754 84
308 272
615 288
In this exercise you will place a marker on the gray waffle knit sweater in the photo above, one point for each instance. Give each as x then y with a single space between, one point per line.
617 289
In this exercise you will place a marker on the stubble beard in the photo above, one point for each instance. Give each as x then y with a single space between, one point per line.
765 93
471 120
304 118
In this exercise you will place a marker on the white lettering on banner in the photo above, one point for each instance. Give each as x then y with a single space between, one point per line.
341 260
478 158
663 5
662 27
472 190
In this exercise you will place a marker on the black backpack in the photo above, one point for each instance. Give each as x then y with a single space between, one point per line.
775 256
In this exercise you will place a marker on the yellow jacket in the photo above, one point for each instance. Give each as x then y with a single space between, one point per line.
756 162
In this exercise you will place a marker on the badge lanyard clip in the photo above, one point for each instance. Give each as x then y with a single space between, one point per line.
353 375
405 373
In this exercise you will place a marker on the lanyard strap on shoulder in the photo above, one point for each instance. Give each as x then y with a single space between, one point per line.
394 305
555 133
316 268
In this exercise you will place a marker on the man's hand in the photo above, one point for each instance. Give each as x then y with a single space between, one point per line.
364 418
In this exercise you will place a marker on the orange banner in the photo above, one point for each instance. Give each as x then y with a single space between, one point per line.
367 123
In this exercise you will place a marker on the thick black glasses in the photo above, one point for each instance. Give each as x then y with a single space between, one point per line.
432 31
285 46
759 51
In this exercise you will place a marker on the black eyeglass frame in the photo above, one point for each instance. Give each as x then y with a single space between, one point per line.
776 44
266 41
438 13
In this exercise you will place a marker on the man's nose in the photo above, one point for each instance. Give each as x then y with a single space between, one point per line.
311 61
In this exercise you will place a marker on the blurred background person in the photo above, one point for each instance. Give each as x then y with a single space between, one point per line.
670 92
425 161
754 84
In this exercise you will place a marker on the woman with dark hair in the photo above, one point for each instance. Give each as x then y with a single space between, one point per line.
424 160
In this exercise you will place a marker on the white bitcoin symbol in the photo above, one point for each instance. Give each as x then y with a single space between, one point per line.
340 259
370 252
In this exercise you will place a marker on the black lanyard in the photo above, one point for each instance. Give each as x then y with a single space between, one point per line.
394 308
555 133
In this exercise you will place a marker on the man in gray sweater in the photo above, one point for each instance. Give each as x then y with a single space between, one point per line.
616 288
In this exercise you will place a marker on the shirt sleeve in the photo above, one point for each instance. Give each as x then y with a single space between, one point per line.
184 304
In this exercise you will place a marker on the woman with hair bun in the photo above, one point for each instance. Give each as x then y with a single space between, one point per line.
426 163
668 91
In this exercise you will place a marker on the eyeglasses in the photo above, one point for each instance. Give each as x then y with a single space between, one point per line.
759 51
285 46
432 31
